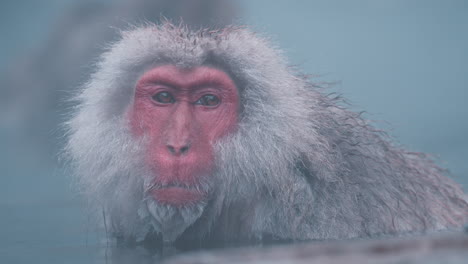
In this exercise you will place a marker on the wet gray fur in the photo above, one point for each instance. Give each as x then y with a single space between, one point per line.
299 166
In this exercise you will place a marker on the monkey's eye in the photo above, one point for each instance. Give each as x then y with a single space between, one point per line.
208 100
164 98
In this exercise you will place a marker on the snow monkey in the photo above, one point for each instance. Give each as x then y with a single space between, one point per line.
208 135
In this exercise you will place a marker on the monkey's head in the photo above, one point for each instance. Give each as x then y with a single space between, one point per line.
176 125
196 134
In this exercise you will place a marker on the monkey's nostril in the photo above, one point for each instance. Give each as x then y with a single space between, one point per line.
184 149
178 150
171 149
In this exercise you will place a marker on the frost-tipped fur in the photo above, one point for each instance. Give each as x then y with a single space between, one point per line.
299 166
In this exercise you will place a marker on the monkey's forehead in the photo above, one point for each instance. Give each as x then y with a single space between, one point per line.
234 49
183 78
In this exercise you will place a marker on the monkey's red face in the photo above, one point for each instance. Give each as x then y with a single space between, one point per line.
182 113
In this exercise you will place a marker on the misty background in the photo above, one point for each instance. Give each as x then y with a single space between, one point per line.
404 62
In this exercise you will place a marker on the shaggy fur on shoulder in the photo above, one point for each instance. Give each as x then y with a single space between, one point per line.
300 166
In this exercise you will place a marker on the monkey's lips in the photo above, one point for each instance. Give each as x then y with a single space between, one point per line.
177 196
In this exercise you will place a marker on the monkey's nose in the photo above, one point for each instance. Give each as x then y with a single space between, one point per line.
178 150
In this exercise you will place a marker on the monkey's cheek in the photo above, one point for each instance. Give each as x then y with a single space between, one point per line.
178 196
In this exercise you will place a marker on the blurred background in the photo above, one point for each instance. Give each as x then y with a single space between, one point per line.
404 62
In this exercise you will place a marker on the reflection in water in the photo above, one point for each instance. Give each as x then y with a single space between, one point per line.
143 253
152 250
137 254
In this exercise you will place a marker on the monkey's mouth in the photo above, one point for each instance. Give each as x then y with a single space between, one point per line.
177 195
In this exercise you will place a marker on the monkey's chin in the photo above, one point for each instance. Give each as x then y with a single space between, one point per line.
172 221
177 196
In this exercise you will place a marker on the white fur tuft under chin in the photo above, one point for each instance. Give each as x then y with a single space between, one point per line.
170 221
